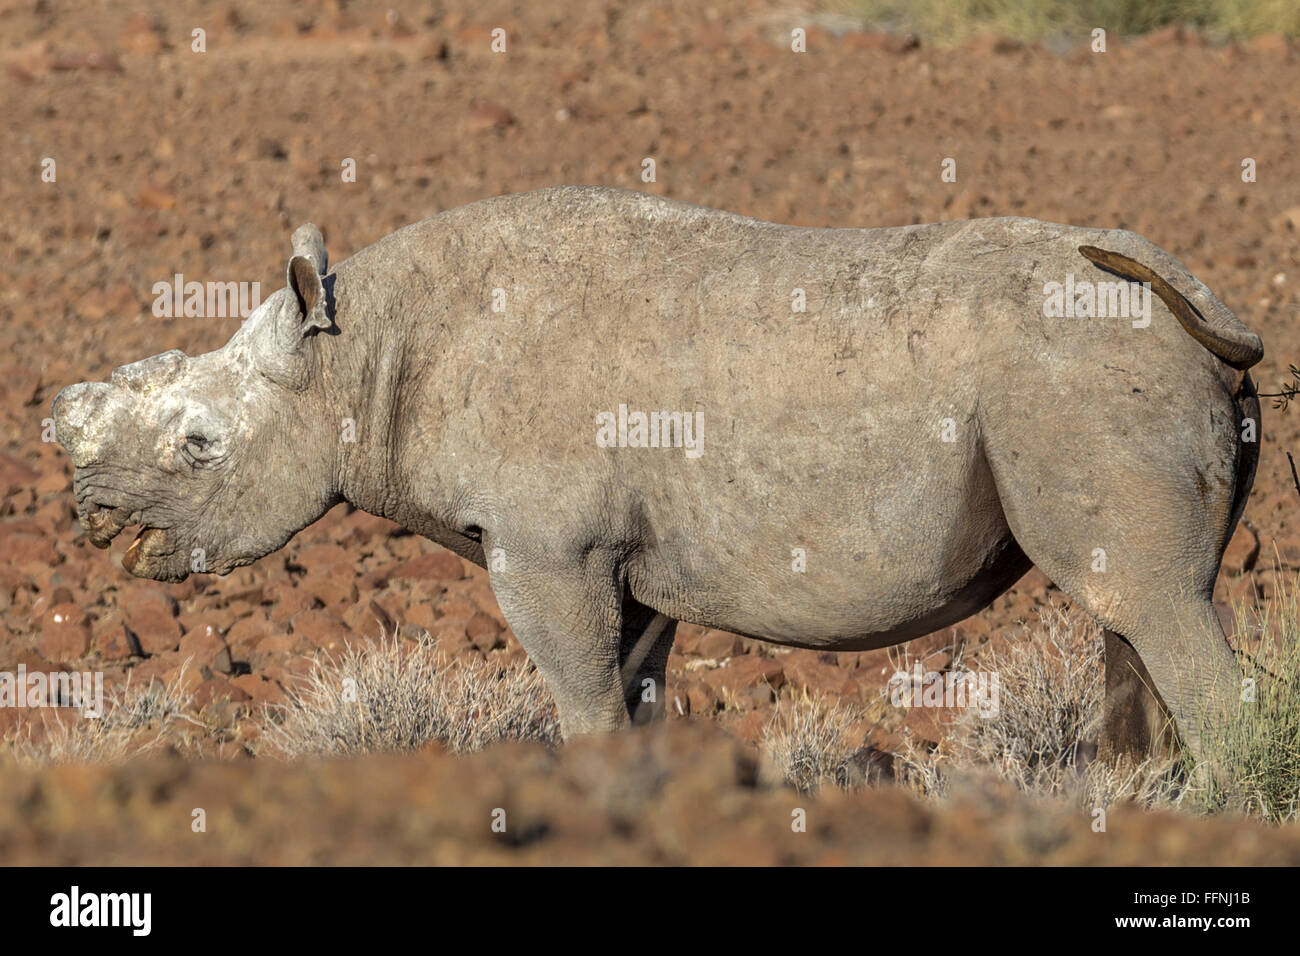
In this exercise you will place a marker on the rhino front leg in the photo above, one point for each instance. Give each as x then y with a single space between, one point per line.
568 615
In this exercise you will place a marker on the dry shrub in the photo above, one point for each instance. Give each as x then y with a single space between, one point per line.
400 694
944 22
809 743
137 720
1043 737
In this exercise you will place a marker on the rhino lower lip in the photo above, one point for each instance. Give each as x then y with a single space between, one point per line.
135 551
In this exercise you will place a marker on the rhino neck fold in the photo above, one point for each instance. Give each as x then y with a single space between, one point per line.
363 375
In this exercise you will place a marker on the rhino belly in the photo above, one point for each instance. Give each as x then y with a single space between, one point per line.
836 572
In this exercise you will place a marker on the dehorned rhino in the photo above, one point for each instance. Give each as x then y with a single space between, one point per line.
634 412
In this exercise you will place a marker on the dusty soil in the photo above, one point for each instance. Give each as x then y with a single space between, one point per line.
171 161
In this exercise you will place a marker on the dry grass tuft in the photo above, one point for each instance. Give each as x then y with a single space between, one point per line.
1042 740
809 743
1261 747
399 695
137 721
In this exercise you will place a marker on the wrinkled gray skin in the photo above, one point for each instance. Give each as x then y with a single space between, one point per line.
821 431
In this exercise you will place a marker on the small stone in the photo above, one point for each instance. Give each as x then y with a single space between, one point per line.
65 633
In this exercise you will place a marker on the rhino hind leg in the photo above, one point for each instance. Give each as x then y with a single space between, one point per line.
1142 563
1173 632
1172 659
1135 721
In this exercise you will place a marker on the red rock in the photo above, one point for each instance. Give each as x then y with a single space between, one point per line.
804 669
374 617
1273 584
483 632
1173 35
1286 554
216 689
688 637
114 641
487 116
881 42
272 649
64 634
991 44
360 528
486 602
1241 590
745 672
247 633
450 634
287 600
336 588
1273 44
209 607
930 724
15 475
203 622
421 615
155 197
700 699
439 565
19 385
246 598
140 35
323 556
322 629
155 668
55 596
206 649
718 645
299 666
750 726
55 483
25 550
1242 551
259 690
87 61
360 620
154 626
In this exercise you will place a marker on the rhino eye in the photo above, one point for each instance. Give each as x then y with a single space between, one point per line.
198 448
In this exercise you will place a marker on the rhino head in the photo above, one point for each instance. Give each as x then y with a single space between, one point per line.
220 458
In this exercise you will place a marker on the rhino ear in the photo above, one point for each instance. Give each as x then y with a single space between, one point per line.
307 241
308 292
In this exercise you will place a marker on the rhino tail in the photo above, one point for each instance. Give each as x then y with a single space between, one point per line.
1225 337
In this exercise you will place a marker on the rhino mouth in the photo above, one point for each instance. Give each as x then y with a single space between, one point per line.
147 552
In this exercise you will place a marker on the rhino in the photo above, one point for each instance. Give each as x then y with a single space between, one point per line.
634 412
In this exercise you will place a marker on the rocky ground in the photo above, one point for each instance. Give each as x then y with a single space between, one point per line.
173 161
